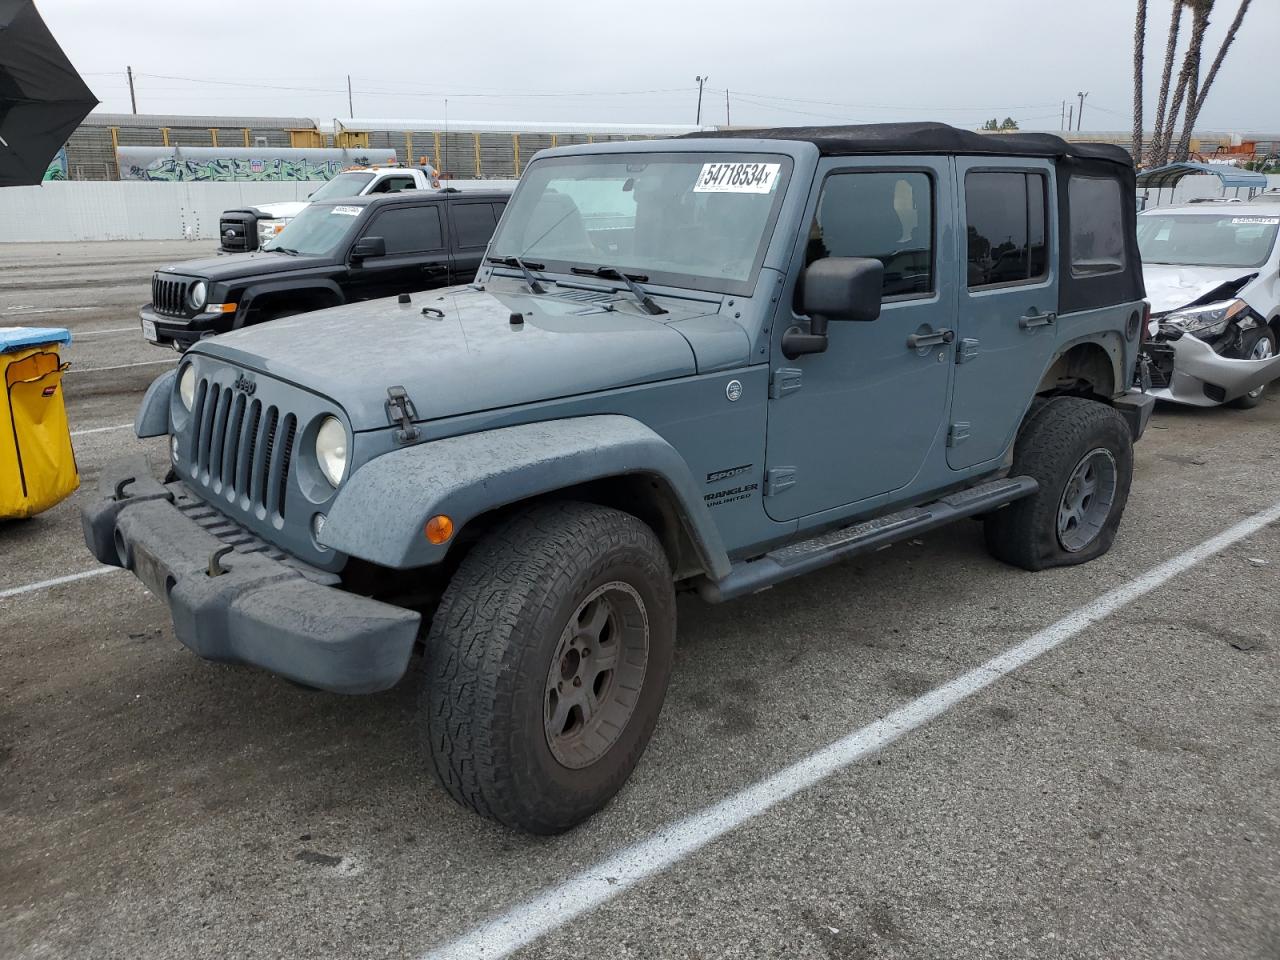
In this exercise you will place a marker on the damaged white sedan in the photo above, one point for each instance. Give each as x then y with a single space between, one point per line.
1212 275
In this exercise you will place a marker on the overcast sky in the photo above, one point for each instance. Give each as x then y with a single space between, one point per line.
805 61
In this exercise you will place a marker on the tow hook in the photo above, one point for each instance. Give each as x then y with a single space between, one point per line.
401 412
216 569
119 493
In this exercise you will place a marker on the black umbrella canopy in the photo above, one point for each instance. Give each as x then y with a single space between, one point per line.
42 98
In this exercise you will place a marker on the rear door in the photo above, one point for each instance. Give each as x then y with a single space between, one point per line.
416 258
1007 316
471 224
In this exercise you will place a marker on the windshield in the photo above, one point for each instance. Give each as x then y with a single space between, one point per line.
692 219
343 185
316 231
1206 240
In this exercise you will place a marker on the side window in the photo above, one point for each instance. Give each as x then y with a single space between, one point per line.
408 229
392 185
884 215
473 223
1097 226
1006 213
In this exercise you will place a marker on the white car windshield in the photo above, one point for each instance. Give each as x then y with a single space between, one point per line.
685 219
1208 239
343 185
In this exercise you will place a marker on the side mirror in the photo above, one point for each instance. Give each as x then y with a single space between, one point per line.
835 288
367 247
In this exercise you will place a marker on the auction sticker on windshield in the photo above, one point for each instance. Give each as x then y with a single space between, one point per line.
1267 221
737 177
347 211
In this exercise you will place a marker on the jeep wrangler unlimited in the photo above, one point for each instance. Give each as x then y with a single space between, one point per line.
707 364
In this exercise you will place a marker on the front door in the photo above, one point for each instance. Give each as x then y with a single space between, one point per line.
860 419
416 257
1007 323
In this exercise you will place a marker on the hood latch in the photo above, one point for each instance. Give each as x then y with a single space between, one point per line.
401 412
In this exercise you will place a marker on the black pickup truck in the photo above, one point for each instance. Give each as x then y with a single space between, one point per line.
333 252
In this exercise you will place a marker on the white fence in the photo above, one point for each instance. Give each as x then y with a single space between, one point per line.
121 210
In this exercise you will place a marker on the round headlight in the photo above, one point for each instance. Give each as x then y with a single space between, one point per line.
331 450
199 295
187 386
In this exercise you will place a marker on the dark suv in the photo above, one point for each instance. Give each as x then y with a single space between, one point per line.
356 248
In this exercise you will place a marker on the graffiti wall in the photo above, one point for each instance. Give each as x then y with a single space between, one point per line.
224 164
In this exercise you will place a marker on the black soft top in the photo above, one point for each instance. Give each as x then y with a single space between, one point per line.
880 138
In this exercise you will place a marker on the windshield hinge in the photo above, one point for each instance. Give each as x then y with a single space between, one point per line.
401 412
966 350
784 380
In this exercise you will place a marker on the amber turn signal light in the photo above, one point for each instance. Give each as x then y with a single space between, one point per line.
438 529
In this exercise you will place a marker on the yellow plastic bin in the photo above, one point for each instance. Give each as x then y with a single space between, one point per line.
37 464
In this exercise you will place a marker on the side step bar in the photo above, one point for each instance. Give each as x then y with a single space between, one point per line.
789 561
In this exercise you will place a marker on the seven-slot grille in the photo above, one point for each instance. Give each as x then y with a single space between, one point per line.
169 296
241 448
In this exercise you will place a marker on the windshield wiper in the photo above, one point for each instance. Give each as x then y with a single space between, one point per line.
612 273
524 266
287 250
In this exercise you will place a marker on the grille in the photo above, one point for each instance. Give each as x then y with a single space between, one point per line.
238 231
242 449
169 296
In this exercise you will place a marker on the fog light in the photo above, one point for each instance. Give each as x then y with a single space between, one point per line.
438 529
173 447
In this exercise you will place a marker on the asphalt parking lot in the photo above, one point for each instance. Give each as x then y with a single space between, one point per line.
1117 796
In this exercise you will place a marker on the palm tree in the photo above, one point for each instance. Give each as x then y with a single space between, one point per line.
1156 153
1139 40
1195 102
1187 76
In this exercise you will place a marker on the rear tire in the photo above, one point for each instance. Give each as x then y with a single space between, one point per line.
1081 453
547 663
1259 344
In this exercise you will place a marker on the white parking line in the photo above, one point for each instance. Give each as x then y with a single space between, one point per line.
120 366
56 581
584 891
118 426
99 333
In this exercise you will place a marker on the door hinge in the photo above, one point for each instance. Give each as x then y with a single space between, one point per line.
784 380
958 433
966 350
777 479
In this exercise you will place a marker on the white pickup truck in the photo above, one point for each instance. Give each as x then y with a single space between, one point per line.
247 229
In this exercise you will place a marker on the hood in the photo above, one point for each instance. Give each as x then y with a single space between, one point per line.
472 358
1171 286
233 266
283 210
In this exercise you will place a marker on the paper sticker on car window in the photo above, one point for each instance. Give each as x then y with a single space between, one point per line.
737 177
1266 221
347 211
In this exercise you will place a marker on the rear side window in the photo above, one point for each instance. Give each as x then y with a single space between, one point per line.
408 229
887 216
1005 213
1097 226
473 223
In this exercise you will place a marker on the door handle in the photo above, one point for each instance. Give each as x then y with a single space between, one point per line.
437 265
1037 320
918 340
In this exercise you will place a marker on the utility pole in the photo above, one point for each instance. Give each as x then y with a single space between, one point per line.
133 101
1071 110
726 108
1062 122
701 81
351 110
1080 115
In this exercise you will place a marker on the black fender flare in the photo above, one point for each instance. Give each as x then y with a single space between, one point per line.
284 286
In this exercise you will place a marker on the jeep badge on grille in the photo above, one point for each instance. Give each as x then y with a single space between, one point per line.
245 384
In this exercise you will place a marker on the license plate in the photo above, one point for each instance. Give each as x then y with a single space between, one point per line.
149 330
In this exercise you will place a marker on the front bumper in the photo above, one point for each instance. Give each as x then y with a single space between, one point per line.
1201 377
178 332
254 605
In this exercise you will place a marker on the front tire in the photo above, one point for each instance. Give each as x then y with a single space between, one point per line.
1081 453
547 664
1259 344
